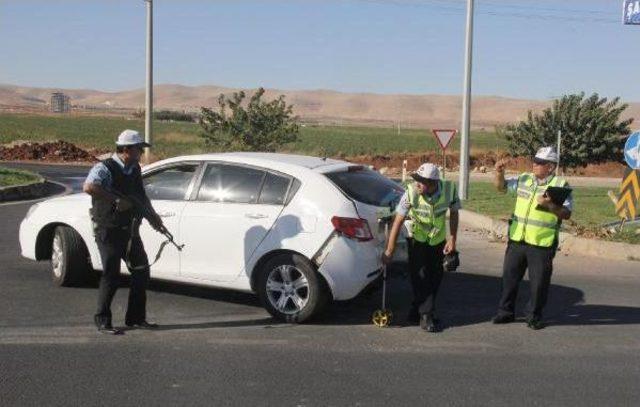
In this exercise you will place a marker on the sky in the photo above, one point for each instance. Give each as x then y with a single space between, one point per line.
522 48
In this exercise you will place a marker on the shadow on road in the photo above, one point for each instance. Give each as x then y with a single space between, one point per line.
464 299
468 299
214 294
210 325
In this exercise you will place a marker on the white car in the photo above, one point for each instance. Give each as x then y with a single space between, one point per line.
298 231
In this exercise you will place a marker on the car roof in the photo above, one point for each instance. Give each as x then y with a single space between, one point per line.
267 159
292 159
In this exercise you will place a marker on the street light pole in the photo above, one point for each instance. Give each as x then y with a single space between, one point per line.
559 151
466 107
148 116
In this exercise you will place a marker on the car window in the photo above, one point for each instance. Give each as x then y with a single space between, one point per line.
171 183
230 183
367 186
274 189
295 186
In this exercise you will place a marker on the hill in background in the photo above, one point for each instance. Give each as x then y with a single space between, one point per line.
324 106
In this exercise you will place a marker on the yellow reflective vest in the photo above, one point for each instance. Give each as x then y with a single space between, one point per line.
528 224
428 217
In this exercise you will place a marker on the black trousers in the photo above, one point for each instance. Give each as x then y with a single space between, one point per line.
112 244
539 261
425 269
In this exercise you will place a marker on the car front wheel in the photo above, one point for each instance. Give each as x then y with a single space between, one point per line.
69 258
290 288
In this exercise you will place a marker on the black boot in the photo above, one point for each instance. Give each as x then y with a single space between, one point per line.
141 325
108 329
535 323
104 326
428 323
503 319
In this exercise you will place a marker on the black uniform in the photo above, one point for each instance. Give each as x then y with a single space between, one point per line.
426 271
519 257
117 240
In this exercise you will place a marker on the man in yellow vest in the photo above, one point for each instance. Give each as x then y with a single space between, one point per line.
425 203
533 235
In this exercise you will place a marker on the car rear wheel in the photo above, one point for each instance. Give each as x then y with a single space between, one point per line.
69 258
290 288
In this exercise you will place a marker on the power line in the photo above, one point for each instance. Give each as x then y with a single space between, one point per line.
549 15
535 8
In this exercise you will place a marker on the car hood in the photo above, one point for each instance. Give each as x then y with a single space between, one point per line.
68 199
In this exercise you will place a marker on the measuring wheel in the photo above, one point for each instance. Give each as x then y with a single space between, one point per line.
382 317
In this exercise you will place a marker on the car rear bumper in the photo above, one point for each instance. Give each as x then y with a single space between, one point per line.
350 266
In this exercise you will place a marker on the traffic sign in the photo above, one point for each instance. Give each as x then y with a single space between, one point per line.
631 12
632 150
629 199
444 136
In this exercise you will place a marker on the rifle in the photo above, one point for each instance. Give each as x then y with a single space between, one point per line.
142 211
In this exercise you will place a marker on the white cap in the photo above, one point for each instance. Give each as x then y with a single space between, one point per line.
427 171
131 138
547 154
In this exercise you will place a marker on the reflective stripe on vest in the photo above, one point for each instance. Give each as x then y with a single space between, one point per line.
429 224
528 224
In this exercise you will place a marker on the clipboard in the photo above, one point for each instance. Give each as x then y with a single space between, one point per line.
557 194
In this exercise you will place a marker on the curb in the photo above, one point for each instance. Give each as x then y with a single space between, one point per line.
22 192
569 244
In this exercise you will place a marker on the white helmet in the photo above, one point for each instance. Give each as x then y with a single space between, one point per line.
131 138
547 154
427 171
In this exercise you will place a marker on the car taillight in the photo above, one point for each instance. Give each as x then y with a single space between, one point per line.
354 228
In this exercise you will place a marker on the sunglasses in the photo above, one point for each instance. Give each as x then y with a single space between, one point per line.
538 161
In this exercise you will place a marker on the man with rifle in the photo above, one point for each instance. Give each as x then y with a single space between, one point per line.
118 201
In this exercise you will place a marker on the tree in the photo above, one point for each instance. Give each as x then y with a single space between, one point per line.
592 131
261 126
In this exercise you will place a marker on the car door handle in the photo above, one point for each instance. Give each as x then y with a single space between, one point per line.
255 215
166 214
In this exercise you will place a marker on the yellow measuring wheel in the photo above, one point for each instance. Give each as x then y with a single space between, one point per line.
382 317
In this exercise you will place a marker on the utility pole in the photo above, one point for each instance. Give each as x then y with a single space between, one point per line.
463 188
559 147
148 116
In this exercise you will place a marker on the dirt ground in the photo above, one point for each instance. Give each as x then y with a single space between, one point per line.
57 151
483 162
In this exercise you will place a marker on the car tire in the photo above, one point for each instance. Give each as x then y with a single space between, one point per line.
69 259
297 300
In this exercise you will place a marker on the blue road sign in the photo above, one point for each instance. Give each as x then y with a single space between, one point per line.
631 12
632 150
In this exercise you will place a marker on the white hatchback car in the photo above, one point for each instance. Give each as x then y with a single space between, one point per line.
298 231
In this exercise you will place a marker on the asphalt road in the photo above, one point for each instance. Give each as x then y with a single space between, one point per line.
218 347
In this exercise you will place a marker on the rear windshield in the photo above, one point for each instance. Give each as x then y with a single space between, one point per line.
367 186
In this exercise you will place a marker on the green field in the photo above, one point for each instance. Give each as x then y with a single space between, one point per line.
591 208
9 177
175 138
377 140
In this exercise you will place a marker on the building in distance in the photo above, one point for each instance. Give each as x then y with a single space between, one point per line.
59 102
